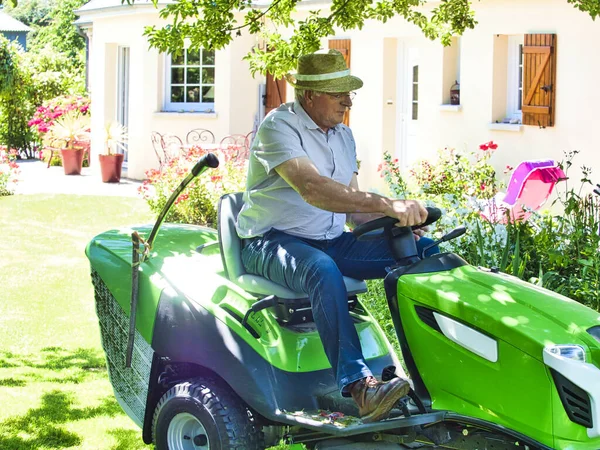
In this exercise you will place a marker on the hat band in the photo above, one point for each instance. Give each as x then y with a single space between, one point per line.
323 76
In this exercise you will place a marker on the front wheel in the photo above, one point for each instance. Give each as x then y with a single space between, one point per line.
204 414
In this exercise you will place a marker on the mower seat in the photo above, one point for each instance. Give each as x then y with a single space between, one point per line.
231 254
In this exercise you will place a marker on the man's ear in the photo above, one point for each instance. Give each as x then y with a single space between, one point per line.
308 97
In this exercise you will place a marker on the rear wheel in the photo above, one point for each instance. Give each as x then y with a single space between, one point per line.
204 414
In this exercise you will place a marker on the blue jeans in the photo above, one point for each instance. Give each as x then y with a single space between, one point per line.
317 267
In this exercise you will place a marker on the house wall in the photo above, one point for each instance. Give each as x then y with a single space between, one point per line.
236 92
19 36
478 59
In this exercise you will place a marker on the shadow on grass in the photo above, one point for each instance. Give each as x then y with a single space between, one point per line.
52 365
40 427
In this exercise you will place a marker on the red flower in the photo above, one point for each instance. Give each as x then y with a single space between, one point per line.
483 147
492 145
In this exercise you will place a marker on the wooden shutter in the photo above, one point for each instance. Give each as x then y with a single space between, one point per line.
343 46
275 93
539 79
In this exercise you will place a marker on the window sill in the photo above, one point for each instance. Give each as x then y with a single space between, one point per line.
516 127
451 108
195 114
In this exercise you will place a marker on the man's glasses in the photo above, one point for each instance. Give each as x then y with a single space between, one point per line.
341 96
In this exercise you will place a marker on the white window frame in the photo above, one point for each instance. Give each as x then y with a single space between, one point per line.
204 107
123 66
514 89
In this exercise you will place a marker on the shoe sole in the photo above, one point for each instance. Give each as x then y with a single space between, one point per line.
388 403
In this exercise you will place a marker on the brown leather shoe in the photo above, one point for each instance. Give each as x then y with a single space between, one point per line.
375 398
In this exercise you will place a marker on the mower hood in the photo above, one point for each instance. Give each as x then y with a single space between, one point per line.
505 308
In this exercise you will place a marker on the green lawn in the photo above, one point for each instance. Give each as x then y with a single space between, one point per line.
54 389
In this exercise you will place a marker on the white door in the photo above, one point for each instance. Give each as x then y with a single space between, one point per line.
123 94
408 104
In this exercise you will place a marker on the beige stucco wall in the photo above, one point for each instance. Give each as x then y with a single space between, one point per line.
478 58
482 56
236 92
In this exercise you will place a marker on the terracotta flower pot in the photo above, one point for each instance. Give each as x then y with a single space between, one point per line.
72 161
110 166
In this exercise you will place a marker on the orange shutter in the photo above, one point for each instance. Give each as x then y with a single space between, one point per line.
343 46
275 93
539 79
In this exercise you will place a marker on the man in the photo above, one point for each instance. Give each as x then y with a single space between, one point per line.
302 184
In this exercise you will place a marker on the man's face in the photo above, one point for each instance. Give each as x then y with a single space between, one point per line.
327 110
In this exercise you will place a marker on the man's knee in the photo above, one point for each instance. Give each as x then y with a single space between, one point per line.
424 242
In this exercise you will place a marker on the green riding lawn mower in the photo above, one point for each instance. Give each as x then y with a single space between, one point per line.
202 355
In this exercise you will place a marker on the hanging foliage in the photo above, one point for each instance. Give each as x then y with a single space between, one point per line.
8 67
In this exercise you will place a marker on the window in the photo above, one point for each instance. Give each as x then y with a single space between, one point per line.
415 92
514 88
190 81
524 79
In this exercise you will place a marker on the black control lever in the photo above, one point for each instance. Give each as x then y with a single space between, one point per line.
257 306
458 231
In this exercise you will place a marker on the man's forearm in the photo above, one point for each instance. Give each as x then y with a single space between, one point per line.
327 194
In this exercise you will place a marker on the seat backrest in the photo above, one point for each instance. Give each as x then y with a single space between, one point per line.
539 171
158 146
229 241
530 186
199 136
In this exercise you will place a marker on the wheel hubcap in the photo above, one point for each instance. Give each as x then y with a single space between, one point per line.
186 432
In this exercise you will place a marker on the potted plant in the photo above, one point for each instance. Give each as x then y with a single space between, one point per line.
111 162
71 135
46 116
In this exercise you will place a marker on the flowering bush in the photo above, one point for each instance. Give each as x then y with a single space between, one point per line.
45 116
556 250
9 170
459 174
198 203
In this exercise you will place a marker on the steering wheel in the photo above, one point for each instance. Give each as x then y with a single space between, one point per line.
366 231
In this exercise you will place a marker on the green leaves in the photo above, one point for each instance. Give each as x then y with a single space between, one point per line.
590 6
213 24
9 74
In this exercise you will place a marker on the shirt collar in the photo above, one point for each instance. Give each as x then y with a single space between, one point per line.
306 119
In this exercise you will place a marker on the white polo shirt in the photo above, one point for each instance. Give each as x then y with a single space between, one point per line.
269 201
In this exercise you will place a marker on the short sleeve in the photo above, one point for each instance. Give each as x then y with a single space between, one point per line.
354 162
278 142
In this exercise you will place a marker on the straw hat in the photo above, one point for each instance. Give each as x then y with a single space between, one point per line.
324 71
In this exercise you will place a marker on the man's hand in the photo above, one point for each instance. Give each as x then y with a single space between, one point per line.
420 232
408 212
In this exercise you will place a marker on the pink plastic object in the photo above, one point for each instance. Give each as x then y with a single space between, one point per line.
529 187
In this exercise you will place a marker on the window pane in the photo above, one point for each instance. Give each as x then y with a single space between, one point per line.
208 57
193 75
177 94
208 75
415 74
177 75
208 94
193 58
177 60
193 94
415 111
415 93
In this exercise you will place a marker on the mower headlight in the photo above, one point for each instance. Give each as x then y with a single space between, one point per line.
570 351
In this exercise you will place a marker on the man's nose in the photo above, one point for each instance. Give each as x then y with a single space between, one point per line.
347 101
